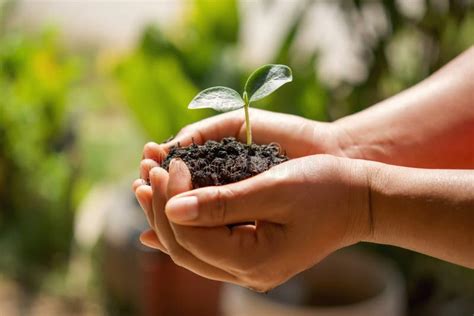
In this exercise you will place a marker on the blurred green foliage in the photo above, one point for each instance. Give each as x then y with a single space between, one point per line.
160 77
412 50
37 167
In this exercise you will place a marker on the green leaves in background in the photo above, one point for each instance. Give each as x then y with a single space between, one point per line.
37 164
157 102
265 80
192 56
221 99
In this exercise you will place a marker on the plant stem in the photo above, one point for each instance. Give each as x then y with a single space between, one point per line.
247 124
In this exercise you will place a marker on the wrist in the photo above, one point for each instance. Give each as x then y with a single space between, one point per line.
345 141
377 175
332 139
360 220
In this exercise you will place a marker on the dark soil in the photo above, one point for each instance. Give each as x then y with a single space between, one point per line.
227 161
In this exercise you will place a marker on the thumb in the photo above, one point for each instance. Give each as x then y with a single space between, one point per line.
244 201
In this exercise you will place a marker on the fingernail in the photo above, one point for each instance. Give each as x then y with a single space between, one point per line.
182 209
148 243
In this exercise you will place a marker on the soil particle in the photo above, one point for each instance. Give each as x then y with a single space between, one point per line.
224 162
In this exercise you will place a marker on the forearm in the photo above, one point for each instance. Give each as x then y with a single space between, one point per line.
428 211
430 125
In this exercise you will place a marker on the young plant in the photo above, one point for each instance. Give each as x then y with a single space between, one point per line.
261 83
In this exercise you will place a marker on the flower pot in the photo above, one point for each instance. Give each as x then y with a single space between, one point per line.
346 283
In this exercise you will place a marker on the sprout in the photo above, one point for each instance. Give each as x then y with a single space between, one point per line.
261 83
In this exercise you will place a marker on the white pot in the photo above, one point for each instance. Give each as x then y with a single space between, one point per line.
346 283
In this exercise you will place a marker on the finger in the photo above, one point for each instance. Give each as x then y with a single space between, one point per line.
149 239
137 183
213 128
179 178
244 201
159 182
154 151
267 127
145 166
180 181
144 198
238 249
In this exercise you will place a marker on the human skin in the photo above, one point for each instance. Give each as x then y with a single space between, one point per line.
309 207
430 125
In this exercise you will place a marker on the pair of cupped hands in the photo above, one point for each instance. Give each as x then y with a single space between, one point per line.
303 209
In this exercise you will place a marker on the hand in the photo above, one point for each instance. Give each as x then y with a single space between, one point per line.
304 209
296 135
153 199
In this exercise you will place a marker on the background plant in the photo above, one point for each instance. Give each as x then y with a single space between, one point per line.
37 165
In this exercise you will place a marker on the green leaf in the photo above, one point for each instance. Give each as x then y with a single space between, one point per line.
218 98
267 79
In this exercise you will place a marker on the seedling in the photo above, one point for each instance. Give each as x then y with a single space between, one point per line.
261 83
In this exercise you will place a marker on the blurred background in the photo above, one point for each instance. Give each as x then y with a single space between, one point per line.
84 84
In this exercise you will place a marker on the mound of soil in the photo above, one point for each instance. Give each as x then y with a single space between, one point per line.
224 162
